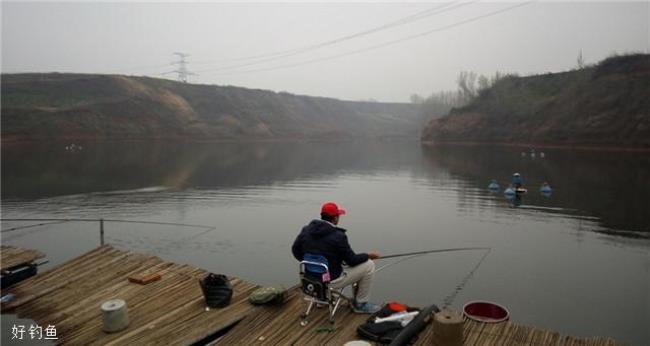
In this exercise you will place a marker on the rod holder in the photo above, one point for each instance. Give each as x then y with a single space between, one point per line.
101 231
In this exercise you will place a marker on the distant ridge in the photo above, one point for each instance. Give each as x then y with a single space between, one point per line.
37 107
606 105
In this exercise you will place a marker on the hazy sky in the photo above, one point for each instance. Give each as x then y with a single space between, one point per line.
139 39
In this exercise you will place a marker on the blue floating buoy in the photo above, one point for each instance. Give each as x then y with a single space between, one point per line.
509 191
546 188
493 185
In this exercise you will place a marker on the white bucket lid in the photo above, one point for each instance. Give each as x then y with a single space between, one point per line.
357 343
113 305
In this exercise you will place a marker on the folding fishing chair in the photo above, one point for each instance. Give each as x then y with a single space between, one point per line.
315 279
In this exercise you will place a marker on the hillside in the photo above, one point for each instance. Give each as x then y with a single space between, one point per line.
604 105
77 106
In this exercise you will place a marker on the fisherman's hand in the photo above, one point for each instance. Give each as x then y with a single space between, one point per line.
373 255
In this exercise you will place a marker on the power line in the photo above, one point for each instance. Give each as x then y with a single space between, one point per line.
280 54
296 51
385 44
401 21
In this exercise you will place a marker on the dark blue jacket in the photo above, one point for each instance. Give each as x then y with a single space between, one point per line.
322 238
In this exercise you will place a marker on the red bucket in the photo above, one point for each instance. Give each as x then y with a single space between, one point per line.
487 312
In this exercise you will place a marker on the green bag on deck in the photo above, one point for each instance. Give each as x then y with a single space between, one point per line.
268 295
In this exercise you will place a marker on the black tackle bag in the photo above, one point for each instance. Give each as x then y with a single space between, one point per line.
216 290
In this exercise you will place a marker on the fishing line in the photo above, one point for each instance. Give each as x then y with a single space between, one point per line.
30 226
158 223
396 262
411 255
186 239
449 299
206 229
109 220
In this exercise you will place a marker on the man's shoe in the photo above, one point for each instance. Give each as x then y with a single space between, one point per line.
365 308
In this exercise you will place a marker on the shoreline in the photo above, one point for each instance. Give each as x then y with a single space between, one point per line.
31 141
82 139
576 146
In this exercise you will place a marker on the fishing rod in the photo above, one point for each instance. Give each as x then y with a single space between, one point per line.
49 221
434 251
107 220
449 299
30 226
397 262
411 255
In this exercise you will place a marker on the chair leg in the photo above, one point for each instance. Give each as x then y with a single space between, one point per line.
303 317
333 310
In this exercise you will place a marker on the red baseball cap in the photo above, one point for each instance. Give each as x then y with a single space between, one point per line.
331 209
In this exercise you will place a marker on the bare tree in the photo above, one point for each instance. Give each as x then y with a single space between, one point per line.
580 61
483 83
417 99
467 85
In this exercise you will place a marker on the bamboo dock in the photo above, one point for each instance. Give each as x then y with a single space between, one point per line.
172 310
11 257
168 311
280 326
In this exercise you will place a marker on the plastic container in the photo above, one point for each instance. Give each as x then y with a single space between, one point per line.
487 312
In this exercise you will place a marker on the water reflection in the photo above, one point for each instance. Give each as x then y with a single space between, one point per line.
515 200
30 172
586 183
612 186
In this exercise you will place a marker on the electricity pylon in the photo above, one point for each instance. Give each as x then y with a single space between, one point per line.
181 70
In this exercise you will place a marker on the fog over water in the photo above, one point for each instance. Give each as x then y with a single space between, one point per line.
575 261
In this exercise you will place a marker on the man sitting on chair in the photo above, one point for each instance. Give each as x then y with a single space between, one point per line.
323 237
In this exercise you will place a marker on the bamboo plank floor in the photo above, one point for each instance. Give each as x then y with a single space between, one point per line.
172 310
168 311
12 256
280 325
508 333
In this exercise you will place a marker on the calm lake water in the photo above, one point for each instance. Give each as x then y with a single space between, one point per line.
576 261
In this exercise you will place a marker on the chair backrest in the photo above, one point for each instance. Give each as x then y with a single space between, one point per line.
314 276
315 264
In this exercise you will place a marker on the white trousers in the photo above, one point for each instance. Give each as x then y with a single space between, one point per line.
362 274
